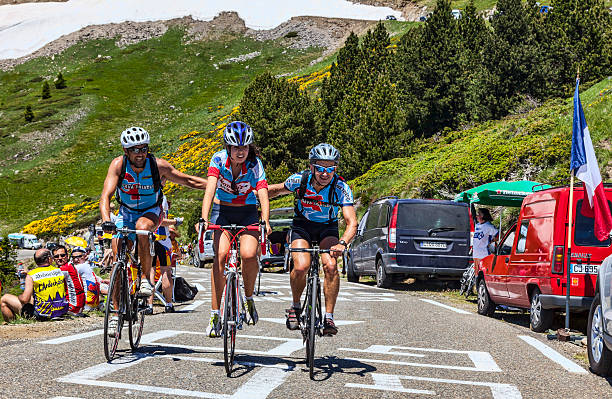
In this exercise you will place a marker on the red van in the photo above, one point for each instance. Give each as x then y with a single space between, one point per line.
527 267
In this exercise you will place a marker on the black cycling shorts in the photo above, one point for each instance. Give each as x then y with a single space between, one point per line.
313 231
224 215
161 255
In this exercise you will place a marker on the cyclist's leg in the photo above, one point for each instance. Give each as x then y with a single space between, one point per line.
149 222
331 285
301 264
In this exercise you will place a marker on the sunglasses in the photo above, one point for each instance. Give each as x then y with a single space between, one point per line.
78 256
136 150
60 255
322 169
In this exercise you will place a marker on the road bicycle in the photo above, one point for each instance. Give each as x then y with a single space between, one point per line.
233 312
122 299
311 318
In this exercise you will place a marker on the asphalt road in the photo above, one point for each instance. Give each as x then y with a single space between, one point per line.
391 344
25 254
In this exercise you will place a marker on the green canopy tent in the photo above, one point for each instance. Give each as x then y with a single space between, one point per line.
499 193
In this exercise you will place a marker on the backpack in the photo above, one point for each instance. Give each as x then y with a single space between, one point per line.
183 291
301 191
156 182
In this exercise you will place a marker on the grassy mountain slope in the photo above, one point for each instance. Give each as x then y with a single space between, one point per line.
164 84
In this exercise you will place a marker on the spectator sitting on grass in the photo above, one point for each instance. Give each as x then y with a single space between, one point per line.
74 287
90 283
44 295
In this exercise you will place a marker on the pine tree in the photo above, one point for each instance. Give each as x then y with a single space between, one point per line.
60 82
46 91
28 114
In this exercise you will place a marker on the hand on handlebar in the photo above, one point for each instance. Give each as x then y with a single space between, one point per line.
109 227
337 250
178 221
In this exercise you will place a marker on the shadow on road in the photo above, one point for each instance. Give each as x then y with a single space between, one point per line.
330 365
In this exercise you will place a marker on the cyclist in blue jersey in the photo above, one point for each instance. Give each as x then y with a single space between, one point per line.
235 175
136 179
319 195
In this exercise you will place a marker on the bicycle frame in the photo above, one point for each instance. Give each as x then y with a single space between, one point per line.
232 309
125 304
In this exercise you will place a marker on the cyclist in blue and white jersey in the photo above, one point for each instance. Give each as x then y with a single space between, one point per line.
235 175
136 179
320 194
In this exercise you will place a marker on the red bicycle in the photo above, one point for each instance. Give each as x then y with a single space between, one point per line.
233 312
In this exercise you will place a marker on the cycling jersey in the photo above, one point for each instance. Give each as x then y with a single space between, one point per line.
74 288
49 292
251 178
137 190
314 206
90 284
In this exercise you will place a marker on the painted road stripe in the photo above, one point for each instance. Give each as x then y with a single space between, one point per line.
387 382
284 320
75 337
193 306
553 355
200 287
460 311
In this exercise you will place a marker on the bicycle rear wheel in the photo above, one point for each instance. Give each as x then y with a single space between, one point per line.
229 322
115 288
136 316
312 326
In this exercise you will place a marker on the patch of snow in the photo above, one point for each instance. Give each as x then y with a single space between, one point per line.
25 28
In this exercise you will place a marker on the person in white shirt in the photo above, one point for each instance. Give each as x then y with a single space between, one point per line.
90 282
484 233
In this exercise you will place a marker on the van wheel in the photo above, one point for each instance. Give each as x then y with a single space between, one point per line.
486 306
382 279
540 318
350 269
600 357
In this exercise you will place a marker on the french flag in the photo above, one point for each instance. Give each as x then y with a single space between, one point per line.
584 165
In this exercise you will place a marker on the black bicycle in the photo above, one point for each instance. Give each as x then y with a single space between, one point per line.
311 318
122 299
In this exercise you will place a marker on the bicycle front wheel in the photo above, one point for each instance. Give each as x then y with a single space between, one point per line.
230 319
312 325
114 308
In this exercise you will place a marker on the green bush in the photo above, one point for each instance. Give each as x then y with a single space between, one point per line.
60 82
46 91
28 114
8 257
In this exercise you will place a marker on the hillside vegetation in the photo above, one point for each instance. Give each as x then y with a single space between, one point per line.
404 93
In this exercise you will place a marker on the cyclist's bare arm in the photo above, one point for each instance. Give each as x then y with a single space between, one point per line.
169 172
275 190
262 194
110 184
348 212
208 197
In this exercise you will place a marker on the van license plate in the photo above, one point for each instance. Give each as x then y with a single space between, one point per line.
584 269
430 244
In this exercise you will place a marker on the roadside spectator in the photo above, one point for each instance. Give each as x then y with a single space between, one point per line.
88 278
44 295
484 233
162 260
75 293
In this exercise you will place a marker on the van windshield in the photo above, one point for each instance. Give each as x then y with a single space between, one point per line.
584 229
431 216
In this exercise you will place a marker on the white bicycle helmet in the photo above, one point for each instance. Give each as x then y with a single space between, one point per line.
238 133
324 152
134 136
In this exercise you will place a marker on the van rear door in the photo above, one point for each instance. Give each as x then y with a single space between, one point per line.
433 233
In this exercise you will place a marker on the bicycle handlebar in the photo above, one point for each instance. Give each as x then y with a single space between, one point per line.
261 227
314 250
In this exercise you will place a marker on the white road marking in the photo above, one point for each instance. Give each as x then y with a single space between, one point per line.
259 386
460 311
389 382
283 320
553 355
193 306
200 287
69 338
483 361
